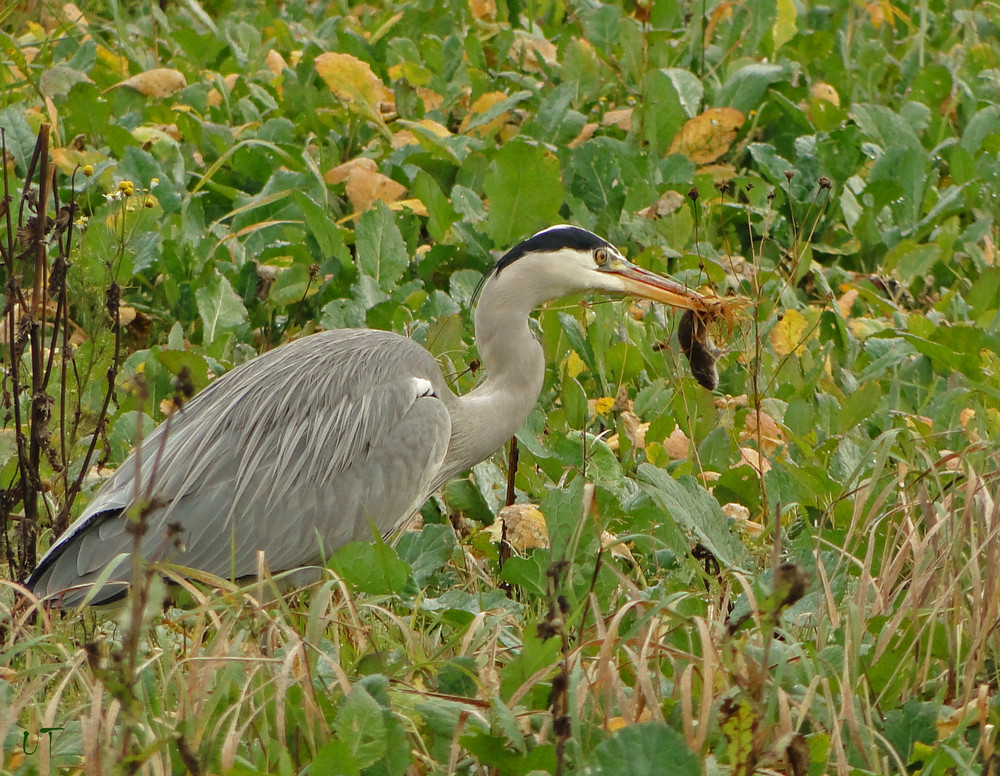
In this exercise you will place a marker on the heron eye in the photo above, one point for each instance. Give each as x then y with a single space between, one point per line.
601 257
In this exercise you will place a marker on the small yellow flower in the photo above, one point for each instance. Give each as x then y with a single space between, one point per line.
154 182
127 188
88 170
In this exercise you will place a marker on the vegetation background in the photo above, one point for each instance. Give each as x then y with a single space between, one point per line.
799 573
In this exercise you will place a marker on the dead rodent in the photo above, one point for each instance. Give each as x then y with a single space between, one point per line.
699 349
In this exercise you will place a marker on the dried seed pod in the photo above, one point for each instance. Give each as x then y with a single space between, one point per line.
699 349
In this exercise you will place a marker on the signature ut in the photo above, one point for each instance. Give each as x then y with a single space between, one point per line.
41 731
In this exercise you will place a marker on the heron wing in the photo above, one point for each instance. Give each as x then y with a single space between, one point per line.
296 453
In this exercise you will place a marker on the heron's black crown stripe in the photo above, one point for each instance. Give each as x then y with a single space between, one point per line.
552 239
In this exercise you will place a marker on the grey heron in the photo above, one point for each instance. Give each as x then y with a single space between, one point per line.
321 441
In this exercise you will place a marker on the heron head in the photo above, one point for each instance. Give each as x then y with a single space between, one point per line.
564 260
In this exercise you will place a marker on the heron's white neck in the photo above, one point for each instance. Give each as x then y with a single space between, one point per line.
515 369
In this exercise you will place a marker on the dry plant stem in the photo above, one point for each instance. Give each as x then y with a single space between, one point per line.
30 485
11 289
511 471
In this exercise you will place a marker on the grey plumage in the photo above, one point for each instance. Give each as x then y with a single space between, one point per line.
323 440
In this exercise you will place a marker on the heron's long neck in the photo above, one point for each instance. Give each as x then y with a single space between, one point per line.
514 363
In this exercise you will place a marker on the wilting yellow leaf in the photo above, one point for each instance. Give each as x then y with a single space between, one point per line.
846 302
668 203
770 434
738 723
214 98
753 459
483 10
823 91
785 23
353 81
677 444
275 62
789 333
612 544
531 49
158 82
709 135
574 364
365 184
621 118
114 62
523 526
603 405
585 134
740 515
722 11
482 104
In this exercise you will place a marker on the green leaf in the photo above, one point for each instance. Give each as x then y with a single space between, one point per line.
745 88
643 750
535 655
176 361
291 286
574 401
382 254
525 191
360 725
459 676
219 307
427 551
372 567
335 758
663 109
696 510
914 722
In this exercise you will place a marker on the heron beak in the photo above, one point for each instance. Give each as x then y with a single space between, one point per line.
647 285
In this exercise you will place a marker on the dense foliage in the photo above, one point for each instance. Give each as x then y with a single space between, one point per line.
799 572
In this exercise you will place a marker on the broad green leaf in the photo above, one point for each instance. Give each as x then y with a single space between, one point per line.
662 113
219 307
426 551
574 401
646 749
696 510
335 758
382 254
525 191
744 89
361 726
372 567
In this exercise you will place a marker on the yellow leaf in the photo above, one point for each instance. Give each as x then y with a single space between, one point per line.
365 184
275 62
114 62
604 404
785 23
530 50
823 91
677 445
158 82
353 81
753 459
620 117
770 434
482 104
214 98
789 333
483 10
522 525
709 135
574 364
738 724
